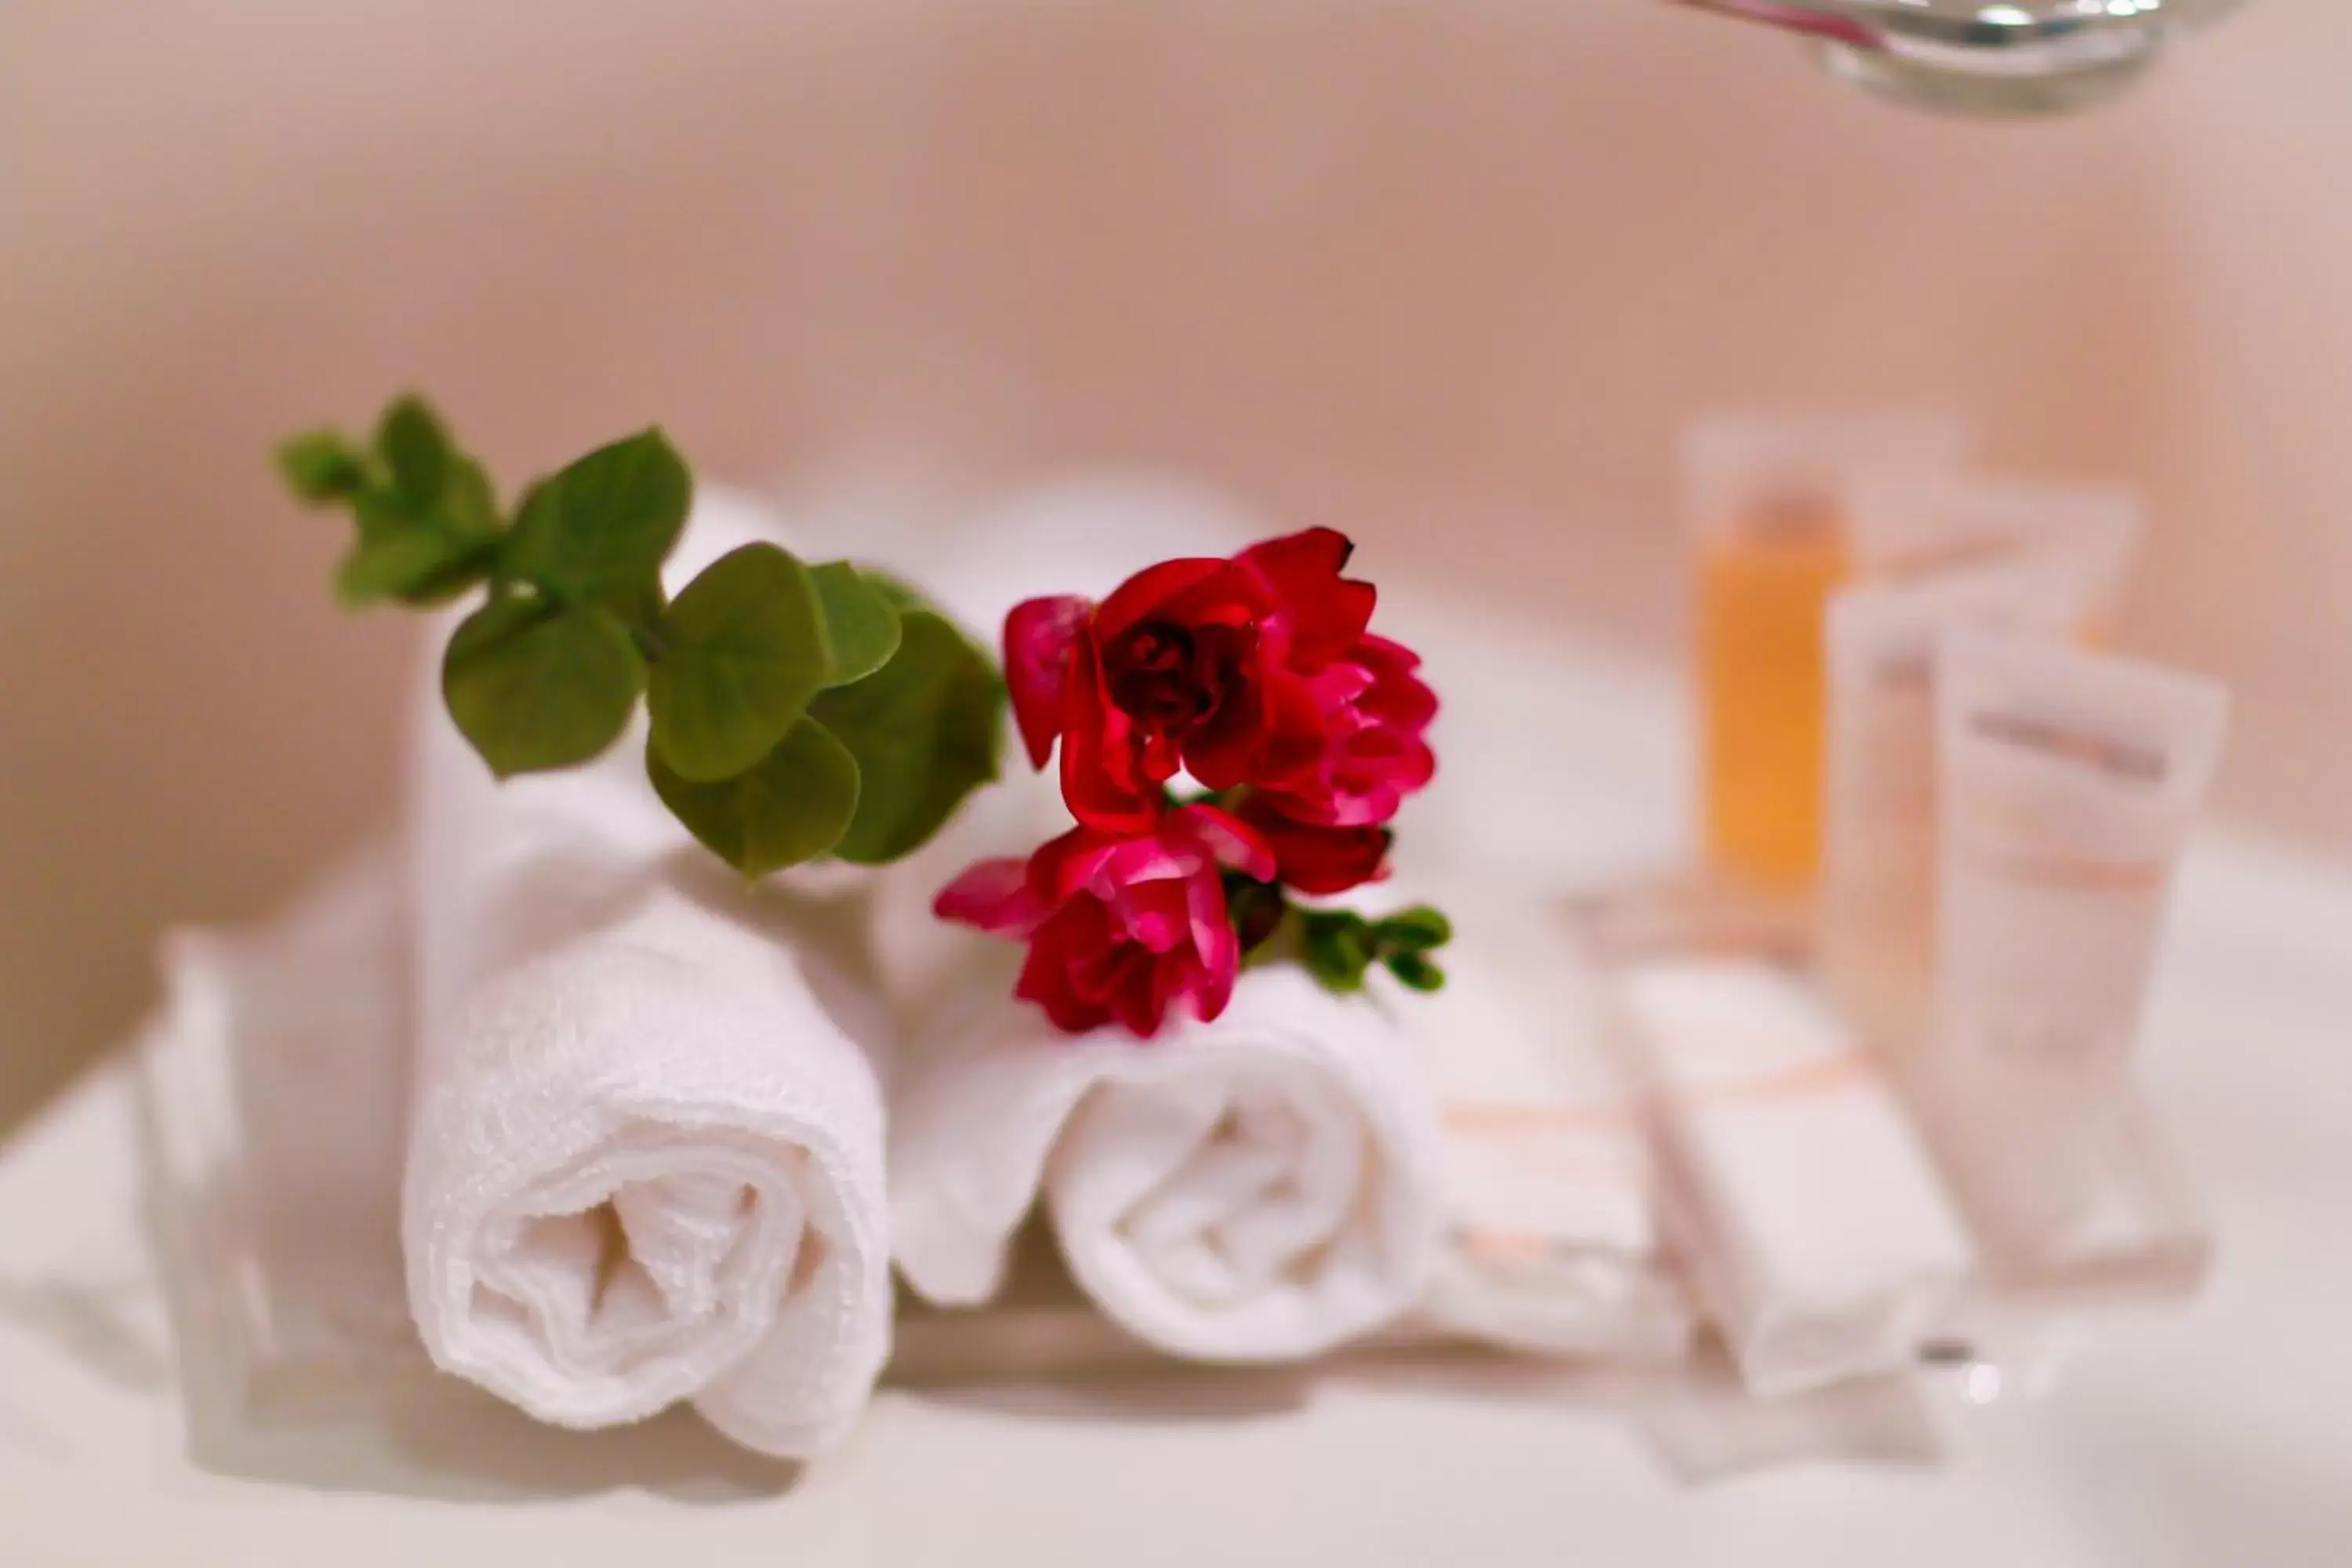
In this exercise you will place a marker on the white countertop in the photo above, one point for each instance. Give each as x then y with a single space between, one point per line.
2223 1436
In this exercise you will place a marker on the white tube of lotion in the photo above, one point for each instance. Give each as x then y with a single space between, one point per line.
2068 783
1877 905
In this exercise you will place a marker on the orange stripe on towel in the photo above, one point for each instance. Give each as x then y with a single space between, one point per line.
1813 1078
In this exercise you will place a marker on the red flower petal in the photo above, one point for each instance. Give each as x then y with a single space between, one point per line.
1138 1002
1211 984
1226 840
994 895
1040 636
1303 557
1153 915
1297 740
1226 751
1064 865
1323 613
1102 777
1403 698
1057 954
1145 594
1315 859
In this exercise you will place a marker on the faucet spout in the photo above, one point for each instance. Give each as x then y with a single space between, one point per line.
1983 56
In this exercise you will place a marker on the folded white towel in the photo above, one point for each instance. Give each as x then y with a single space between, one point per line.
646 1161
265 1078
1259 1188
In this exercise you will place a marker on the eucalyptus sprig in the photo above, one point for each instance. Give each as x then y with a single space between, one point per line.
1338 946
796 711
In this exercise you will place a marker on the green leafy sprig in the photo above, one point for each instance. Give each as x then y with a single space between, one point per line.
1339 947
796 711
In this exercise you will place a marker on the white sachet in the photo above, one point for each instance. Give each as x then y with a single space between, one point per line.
1817 1234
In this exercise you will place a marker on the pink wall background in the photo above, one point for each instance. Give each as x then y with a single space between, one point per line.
1446 274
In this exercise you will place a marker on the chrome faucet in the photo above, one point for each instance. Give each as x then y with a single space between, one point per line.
1984 57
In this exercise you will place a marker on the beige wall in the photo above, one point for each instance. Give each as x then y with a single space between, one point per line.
1446 274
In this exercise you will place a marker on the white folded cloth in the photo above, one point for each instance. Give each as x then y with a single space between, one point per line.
1552 1242
645 1160
265 1079
1258 1188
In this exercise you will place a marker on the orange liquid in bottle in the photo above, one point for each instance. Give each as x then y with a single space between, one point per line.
1763 589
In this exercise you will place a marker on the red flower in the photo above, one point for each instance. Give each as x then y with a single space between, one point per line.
1312 857
1212 667
1119 926
1368 753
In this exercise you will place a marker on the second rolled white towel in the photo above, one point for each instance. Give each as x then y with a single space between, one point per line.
1259 1188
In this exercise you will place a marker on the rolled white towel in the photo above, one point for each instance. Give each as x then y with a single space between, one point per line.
1258 1188
645 1160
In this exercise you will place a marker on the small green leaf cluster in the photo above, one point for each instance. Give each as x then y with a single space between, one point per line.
795 711
1339 947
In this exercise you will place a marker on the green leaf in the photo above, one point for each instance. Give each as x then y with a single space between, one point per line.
791 806
861 623
1352 941
896 595
1416 929
599 529
383 514
468 503
420 555
1336 951
745 652
1416 970
925 730
321 467
419 566
1340 946
416 448
536 685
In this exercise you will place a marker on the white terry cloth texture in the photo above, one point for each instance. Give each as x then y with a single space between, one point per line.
1258 1189
1261 1188
645 1160
1552 1242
